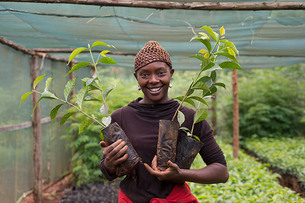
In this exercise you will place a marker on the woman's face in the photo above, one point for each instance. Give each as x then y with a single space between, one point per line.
154 80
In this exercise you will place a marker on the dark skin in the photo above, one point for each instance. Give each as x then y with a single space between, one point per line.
154 80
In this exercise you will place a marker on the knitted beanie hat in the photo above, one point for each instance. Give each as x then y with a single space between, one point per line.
151 52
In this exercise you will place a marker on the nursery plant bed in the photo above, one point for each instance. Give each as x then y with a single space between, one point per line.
285 179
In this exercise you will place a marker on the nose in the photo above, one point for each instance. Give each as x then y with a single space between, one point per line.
154 79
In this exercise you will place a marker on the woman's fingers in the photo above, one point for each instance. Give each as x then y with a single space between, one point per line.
154 163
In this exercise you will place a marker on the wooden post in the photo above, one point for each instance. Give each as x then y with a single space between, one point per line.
36 124
235 114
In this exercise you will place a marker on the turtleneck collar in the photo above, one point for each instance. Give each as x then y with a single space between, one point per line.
161 110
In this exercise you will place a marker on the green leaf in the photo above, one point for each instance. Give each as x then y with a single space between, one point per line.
211 32
196 137
65 117
48 95
69 87
200 85
91 98
107 91
184 129
213 89
213 75
204 41
200 115
37 80
48 81
187 100
84 125
201 100
78 66
24 96
36 104
180 117
220 84
230 65
107 60
200 57
230 44
81 96
205 67
76 52
102 136
106 120
100 43
227 55
54 111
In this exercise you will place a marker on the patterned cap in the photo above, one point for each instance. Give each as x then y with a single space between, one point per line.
151 52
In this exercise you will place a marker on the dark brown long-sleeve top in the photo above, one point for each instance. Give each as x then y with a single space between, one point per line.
140 122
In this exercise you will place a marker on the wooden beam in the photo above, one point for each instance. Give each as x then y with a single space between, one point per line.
23 125
16 46
235 114
52 50
36 123
181 5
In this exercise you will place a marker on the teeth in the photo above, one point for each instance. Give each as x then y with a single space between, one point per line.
155 89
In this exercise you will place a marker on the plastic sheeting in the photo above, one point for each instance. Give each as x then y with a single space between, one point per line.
16 147
264 38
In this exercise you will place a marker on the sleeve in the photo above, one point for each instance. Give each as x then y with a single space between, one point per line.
115 117
210 152
105 172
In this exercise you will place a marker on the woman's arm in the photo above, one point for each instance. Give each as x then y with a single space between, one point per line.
213 173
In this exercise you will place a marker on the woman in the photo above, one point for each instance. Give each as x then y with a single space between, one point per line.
140 122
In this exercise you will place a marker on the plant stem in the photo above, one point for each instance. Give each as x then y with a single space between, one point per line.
186 95
98 79
84 113
81 111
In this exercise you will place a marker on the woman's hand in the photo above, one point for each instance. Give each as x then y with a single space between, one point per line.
172 173
114 154
213 173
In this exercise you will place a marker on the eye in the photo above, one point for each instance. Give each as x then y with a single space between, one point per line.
161 73
144 75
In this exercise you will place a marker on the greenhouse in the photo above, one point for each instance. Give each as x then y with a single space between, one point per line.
38 37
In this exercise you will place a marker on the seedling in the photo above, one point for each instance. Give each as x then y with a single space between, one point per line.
90 85
207 85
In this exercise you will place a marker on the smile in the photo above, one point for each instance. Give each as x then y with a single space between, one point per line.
154 90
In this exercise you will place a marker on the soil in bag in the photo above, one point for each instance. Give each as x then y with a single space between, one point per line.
187 150
112 133
167 143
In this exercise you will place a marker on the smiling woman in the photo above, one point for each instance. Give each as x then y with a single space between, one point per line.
154 80
140 122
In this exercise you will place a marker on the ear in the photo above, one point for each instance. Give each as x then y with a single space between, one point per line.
172 72
135 75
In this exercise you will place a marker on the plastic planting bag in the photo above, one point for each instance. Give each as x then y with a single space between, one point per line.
167 143
112 133
187 150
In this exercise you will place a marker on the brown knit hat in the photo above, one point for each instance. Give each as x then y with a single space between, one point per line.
151 52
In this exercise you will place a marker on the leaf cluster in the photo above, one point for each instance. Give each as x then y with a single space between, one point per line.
204 83
89 85
271 102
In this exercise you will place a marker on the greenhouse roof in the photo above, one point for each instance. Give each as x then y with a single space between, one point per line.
264 38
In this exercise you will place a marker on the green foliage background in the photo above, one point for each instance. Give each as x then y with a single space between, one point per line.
271 102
